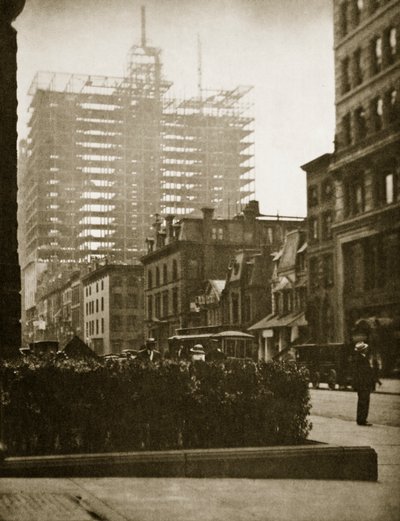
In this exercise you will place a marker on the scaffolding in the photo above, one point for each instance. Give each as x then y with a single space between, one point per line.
105 154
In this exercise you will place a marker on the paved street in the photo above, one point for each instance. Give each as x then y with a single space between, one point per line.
384 408
145 499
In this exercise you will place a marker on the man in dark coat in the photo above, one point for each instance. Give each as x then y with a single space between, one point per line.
363 382
149 352
215 354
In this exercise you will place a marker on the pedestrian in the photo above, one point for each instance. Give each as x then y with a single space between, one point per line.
149 352
215 354
197 353
363 382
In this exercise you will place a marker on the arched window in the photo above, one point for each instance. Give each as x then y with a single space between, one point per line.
157 276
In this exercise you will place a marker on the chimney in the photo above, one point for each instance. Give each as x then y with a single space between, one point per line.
169 219
250 213
207 223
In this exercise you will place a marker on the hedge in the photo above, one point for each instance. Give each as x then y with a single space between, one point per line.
53 406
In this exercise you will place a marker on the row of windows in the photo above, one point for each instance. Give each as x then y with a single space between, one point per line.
320 271
94 327
382 111
382 52
157 281
88 289
352 12
320 228
158 306
313 196
385 190
290 300
94 304
372 263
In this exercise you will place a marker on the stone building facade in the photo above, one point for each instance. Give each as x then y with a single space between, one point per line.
365 170
320 251
113 308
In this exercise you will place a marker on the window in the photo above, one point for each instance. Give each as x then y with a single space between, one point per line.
247 308
389 188
102 325
357 68
312 195
175 300
102 304
165 304
314 275
393 106
158 305
328 270
343 19
360 123
235 308
102 284
377 55
392 47
150 307
358 6
313 229
327 225
345 75
346 130
165 274
97 287
149 279
377 113
97 305
327 190
97 326
174 270
217 234
157 276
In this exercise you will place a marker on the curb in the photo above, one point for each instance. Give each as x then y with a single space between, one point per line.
289 462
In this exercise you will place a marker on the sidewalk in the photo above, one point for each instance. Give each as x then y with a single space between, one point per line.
150 499
389 386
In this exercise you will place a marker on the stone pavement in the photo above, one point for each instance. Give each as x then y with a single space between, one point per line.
162 499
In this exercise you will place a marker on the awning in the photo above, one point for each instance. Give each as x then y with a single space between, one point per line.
273 321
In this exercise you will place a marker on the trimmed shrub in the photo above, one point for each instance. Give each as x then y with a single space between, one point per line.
64 406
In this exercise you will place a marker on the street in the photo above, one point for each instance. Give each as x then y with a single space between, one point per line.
384 408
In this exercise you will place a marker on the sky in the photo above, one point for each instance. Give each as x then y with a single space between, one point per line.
281 47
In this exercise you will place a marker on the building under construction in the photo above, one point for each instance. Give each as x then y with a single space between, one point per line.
105 154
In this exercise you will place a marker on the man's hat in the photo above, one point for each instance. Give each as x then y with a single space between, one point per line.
150 341
361 347
198 348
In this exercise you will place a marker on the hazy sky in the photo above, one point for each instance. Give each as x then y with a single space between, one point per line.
282 47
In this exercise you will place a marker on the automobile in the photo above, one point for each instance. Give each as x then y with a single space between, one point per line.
326 363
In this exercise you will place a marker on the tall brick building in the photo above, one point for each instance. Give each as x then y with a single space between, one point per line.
365 171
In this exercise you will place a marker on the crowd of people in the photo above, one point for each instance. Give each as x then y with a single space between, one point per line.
191 354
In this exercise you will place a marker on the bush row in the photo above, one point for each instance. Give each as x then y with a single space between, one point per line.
69 406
